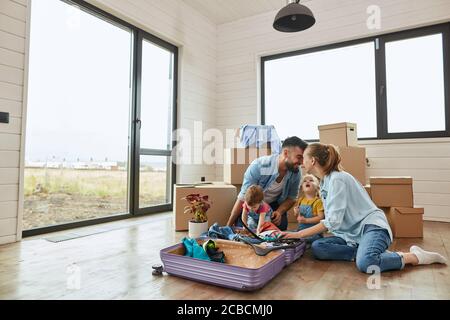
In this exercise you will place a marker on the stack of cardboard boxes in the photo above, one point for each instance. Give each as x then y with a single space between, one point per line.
221 194
394 195
237 160
353 157
344 137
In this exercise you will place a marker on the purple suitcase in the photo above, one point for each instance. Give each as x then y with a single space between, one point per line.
245 278
292 254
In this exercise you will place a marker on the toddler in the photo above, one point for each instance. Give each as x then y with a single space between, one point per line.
254 210
309 209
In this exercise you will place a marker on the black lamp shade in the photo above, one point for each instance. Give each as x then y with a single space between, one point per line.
294 17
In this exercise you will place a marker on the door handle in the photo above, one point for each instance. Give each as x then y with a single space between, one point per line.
138 122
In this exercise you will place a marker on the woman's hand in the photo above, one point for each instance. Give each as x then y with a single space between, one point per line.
296 211
291 235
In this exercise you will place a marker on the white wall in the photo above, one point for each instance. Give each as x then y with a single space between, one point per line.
241 44
13 17
171 20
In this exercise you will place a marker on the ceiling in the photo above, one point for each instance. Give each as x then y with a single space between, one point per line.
223 11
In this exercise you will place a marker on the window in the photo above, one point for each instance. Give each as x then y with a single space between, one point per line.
96 148
338 82
156 105
415 84
392 86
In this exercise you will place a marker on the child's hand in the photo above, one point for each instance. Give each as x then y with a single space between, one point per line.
301 219
296 211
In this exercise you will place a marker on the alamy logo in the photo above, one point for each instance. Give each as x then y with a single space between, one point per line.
374 20
374 281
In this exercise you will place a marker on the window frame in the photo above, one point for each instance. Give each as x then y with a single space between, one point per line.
137 35
380 73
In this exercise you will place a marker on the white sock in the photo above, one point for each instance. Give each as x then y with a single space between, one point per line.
427 257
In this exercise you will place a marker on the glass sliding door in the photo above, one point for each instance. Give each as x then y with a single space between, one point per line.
79 95
155 123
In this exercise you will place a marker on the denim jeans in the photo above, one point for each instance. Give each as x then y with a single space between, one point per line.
371 250
274 205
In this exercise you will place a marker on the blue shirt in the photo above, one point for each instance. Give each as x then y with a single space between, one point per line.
263 171
348 207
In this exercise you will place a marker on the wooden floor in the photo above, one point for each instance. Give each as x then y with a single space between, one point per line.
117 265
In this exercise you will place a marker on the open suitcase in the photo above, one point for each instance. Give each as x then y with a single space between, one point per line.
243 270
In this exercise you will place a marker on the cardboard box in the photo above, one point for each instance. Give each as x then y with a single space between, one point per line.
237 160
340 134
221 195
367 187
354 162
238 188
405 222
392 191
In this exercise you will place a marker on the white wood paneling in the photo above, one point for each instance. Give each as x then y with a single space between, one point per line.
12 25
7 239
222 11
8 209
11 91
11 58
9 175
241 44
13 107
9 192
9 142
12 52
11 75
12 42
8 227
14 9
9 159
13 126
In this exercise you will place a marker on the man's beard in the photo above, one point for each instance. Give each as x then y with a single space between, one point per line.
291 167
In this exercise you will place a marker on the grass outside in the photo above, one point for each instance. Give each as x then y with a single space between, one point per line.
55 196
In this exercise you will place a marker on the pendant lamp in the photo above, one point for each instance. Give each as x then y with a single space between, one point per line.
294 17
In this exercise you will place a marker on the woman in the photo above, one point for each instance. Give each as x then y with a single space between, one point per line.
361 231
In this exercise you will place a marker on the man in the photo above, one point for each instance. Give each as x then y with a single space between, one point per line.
279 176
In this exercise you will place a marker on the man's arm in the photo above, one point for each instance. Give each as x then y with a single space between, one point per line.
285 206
235 212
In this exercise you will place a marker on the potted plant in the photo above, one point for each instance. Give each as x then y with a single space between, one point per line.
198 206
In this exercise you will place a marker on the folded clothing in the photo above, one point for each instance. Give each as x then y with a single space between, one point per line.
258 135
218 232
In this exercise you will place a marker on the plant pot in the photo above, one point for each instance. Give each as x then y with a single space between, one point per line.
197 228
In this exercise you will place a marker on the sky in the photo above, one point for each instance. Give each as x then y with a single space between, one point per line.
79 88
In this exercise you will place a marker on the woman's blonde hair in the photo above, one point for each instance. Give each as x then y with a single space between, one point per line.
316 184
326 155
